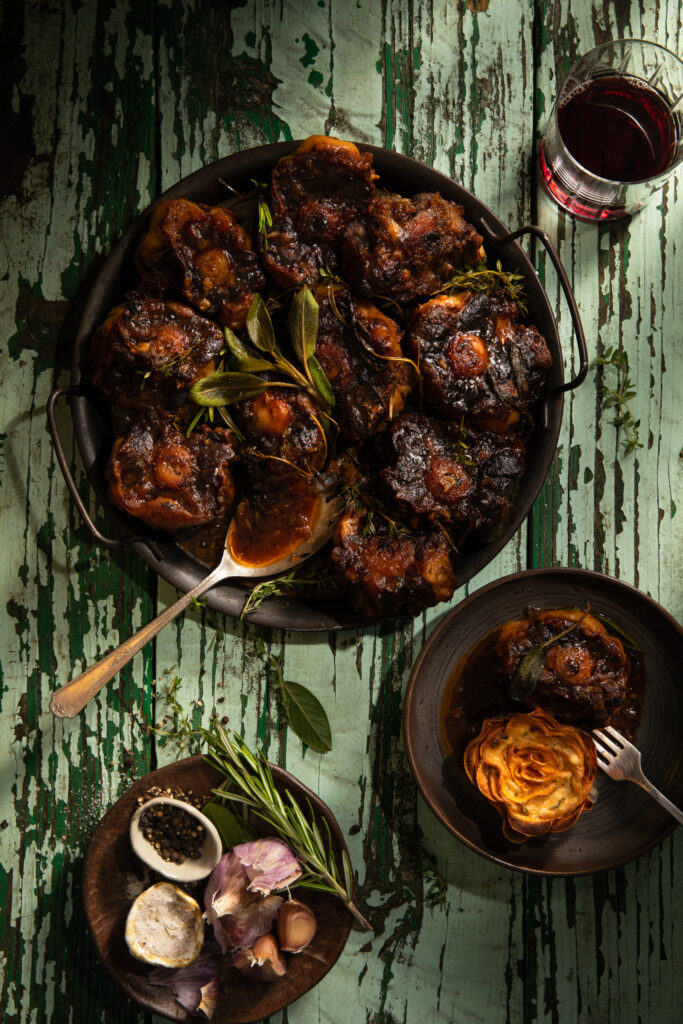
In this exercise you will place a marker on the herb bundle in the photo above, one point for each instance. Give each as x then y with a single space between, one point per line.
264 355
481 278
249 782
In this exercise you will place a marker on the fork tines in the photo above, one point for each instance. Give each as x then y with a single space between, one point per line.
612 740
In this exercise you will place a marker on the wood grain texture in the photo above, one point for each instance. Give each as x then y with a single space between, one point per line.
110 102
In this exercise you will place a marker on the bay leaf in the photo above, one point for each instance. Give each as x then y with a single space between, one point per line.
232 828
307 717
617 631
260 326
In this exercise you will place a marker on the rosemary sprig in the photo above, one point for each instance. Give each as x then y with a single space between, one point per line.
617 398
481 278
251 784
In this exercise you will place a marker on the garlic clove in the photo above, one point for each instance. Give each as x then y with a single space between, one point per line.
263 961
296 926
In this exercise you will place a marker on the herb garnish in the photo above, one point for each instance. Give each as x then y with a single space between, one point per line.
301 709
617 398
481 278
529 669
252 785
227 387
265 217
281 584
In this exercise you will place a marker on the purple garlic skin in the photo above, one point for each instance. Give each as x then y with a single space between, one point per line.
195 986
269 863
239 917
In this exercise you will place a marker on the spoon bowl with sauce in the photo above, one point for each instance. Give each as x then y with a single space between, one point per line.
255 546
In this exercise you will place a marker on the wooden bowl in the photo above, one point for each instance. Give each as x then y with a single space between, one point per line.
113 877
625 821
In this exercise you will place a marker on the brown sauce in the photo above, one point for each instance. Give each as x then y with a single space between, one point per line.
264 533
477 690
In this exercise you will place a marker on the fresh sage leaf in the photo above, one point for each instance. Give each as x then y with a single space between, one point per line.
528 671
227 388
322 384
617 631
260 326
232 828
230 423
302 324
244 357
307 717
527 674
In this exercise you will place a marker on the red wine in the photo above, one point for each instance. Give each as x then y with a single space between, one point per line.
618 128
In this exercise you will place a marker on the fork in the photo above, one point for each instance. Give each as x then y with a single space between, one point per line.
621 761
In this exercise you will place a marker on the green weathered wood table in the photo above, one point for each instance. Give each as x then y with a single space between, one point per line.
109 103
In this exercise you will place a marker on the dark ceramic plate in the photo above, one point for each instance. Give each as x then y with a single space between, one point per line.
625 821
113 877
91 421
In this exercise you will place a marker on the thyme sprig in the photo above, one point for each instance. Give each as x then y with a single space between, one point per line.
265 217
176 727
618 397
480 278
249 781
292 580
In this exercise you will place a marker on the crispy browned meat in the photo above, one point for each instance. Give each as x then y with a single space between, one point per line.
359 348
408 248
584 674
468 480
282 427
389 575
149 352
201 254
171 481
314 193
477 360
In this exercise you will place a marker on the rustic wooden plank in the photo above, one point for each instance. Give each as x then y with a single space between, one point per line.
177 85
614 513
65 600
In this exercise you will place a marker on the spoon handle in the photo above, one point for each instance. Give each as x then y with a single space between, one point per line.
71 698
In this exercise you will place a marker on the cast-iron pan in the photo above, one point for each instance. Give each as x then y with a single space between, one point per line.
625 821
91 420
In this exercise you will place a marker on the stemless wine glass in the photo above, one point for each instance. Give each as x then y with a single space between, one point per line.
616 130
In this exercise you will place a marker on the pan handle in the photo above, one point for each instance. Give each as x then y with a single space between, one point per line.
107 542
532 229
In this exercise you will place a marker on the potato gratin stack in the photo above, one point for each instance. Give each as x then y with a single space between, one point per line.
536 772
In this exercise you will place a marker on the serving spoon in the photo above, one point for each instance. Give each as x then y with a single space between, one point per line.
71 698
